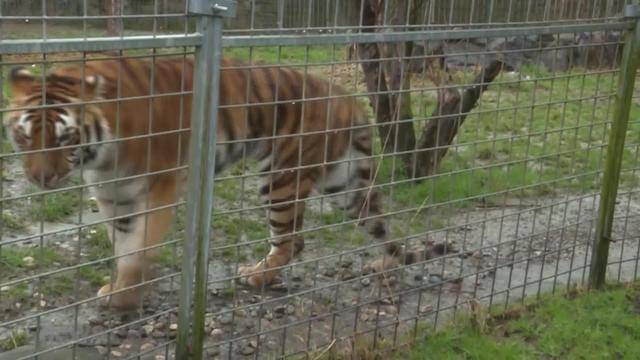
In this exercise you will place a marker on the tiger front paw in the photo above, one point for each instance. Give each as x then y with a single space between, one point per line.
126 300
381 265
256 276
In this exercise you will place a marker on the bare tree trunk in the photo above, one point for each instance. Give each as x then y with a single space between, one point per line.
389 83
114 25
400 81
390 76
375 78
451 111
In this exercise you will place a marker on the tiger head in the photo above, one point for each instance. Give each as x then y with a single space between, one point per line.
49 126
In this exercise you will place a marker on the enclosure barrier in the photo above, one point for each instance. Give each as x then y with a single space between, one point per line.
611 176
489 124
201 175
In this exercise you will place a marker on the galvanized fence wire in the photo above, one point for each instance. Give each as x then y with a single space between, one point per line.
509 212
55 252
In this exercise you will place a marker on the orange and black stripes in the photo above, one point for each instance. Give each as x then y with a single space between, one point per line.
298 126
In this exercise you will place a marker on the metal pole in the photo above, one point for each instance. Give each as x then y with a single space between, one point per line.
199 108
204 119
202 249
615 148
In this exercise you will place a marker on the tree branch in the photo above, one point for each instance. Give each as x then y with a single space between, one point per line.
451 111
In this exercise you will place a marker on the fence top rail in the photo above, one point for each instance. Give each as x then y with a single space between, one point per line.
28 46
25 46
339 28
424 35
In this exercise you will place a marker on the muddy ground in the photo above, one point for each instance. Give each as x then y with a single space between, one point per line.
481 253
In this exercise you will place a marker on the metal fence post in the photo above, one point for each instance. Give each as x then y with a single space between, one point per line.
201 172
615 148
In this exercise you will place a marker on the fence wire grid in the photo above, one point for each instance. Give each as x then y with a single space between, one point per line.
309 179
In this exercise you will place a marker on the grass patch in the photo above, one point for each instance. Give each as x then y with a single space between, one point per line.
233 254
228 291
96 242
16 339
16 293
168 256
15 259
260 249
585 325
6 147
22 30
332 231
290 55
56 286
228 190
94 275
235 228
532 136
11 223
23 261
56 206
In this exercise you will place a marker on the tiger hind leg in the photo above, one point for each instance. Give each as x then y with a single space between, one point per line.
285 219
348 184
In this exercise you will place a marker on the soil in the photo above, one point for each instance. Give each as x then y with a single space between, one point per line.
483 254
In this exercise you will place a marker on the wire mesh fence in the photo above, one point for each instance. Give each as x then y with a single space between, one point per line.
319 180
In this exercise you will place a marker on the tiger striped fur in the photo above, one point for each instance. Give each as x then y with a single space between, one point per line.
320 143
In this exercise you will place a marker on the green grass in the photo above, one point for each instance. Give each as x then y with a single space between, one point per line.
96 242
7 148
93 274
506 144
49 287
239 228
20 261
11 223
17 260
97 245
21 30
580 325
17 293
235 227
291 55
335 235
55 206
12 258
57 285
17 338
228 291
166 256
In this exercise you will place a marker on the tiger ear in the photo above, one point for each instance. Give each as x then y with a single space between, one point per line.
94 87
20 81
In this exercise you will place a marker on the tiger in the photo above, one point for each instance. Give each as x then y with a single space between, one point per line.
127 133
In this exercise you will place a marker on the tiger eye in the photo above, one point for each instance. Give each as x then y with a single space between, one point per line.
20 136
64 138
69 137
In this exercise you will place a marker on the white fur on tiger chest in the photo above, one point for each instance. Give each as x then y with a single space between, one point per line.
126 191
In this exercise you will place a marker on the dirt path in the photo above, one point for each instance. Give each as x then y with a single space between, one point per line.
491 252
